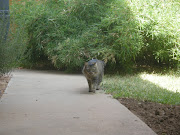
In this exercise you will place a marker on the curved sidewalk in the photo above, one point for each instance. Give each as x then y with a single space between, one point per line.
53 103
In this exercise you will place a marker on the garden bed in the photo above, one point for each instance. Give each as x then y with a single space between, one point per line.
163 119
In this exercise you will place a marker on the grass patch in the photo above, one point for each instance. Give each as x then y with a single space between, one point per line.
143 86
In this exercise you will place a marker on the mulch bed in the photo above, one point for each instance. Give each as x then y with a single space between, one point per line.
162 119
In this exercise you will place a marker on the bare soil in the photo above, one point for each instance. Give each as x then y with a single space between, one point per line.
4 80
163 119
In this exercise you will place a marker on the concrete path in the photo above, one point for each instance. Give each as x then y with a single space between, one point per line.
52 103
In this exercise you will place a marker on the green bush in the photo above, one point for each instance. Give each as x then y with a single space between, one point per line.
68 33
23 13
83 30
10 46
5 58
159 26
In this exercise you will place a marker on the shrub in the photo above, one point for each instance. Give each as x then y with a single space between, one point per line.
83 30
159 24
68 33
10 45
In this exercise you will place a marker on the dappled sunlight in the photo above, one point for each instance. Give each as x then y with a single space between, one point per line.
144 86
168 82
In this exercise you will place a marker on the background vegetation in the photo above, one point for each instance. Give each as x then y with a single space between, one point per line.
123 33
11 46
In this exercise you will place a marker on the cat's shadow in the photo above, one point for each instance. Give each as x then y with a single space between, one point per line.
86 91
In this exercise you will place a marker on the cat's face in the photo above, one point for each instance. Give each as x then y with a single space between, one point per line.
91 69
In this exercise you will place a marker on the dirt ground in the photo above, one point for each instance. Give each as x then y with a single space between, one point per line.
163 119
3 84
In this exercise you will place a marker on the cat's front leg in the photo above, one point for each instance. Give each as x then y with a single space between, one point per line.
90 85
93 88
98 84
95 85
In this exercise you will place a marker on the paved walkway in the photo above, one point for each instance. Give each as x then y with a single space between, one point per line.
53 103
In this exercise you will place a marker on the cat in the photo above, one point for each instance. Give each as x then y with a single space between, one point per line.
93 70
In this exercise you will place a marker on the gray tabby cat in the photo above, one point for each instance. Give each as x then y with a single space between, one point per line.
93 71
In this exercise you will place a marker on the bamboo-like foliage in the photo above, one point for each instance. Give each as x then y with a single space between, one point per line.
120 32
